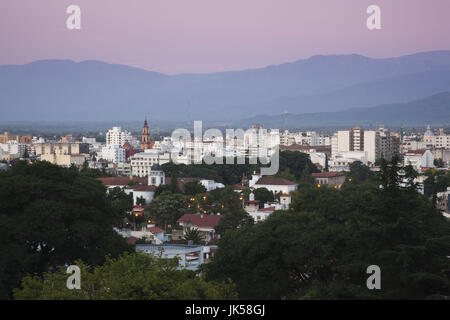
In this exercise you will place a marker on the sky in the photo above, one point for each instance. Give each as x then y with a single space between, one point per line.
202 36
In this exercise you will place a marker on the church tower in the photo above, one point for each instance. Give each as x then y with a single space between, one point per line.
145 144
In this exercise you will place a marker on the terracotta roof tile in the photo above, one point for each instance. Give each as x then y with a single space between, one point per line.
201 221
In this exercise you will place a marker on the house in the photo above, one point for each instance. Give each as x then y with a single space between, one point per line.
261 213
159 233
190 256
273 184
419 159
141 192
204 223
285 200
138 187
329 179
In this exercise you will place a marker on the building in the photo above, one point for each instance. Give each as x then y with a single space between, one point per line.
117 137
274 184
113 153
141 163
156 176
419 159
61 148
13 148
204 223
147 193
441 140
5 137
145 143
329 179
357 139
190 256
65 160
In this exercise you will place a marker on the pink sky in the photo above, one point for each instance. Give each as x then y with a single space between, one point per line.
178 36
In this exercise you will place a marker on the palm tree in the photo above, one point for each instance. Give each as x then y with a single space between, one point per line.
194 235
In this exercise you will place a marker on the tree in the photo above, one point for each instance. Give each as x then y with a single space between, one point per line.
140 201
264 195
173 186
360 173
162 188
194 235
322 246
167 208
52 216
439 163
193 188
121 204
135 276
234 219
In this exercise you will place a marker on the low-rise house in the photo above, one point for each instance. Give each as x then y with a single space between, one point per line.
419 159
273 184
329 179
204 223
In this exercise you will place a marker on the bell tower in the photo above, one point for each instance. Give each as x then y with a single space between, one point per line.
145 144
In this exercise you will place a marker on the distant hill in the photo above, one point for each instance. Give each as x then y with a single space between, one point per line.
93 90
434 110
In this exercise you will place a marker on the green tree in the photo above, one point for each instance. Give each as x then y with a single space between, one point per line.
264 195
194 235
322 246
193 188
167 208
140 201
52 216
136 276
360 173
234 219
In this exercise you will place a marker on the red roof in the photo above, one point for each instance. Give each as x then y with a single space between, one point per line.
201 221
132 240
155 230
416 151
275 181
328 174
239 187
267 209
121 181
142 188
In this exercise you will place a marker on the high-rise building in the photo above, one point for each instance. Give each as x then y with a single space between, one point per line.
117 137
357 139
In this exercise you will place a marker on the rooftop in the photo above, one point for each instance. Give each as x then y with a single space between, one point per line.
201 220
275 181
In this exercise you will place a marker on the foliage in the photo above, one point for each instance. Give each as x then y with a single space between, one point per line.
323 245
121 203
360 173
193 188
194 235
234 219
167 208
264 195
136 276
51 216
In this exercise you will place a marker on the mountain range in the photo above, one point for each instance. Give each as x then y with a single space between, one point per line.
54 90
434 110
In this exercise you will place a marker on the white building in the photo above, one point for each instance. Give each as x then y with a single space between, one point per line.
273 184
117 137
13 147
342 160
141 163
419 159
113 153
357 139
